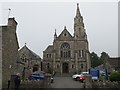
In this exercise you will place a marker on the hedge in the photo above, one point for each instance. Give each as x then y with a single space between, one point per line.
115 76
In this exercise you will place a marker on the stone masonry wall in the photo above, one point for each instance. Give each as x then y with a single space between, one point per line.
9 52
89 83
0 58
32 84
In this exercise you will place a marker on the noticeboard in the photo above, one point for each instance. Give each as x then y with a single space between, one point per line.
94 73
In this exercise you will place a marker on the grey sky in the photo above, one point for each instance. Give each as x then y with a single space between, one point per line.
37 22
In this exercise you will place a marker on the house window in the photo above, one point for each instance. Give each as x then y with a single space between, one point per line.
48 55
72 65
69 54
65 34
61 54
57 65
81 53
65 54
81 66
48 65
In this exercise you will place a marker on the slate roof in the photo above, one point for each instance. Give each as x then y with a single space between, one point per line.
49 48
114 61
28 53
65 35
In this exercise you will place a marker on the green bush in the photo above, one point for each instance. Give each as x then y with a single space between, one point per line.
115 76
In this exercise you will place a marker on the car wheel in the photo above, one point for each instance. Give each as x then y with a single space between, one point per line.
77 79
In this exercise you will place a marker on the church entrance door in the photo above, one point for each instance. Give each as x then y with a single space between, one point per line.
65 68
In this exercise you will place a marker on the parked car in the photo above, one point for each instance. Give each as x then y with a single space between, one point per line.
85 73
77 76
83 76
37 76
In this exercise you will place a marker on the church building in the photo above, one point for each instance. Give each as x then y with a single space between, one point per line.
69 54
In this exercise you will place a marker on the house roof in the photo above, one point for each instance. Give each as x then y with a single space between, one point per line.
114 61
49 48
65 35
29 54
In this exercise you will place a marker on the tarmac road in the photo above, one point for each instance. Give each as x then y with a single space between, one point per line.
66 82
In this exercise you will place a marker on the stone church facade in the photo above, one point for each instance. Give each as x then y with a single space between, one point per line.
69 53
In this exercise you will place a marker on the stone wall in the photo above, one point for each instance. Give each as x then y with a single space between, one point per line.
9 50
0 58
105 84
89 83
32 84
28 84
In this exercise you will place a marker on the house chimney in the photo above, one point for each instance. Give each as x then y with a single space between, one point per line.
12 23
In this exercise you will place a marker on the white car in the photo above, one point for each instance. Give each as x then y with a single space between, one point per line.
77 76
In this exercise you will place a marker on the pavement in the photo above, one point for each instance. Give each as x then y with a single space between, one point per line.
66 82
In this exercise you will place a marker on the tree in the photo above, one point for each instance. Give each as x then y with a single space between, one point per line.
104 57
95 61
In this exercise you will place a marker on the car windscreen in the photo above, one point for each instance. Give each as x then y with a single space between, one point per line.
85 74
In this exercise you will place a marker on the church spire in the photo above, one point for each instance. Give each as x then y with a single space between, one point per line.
78 11
55 35
78 25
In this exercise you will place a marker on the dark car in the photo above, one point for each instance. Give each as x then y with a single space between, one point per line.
37 76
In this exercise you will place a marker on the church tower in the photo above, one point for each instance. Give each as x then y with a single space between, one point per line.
68 54
79 31
81 42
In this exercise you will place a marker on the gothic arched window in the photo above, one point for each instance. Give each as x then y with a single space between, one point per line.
81 66
81 53
65 50
65 46
48 65
58 65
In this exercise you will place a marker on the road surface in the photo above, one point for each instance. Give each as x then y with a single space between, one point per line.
66 82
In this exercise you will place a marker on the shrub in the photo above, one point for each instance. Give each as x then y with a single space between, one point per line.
115 76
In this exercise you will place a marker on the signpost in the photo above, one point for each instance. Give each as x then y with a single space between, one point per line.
94 73
99 74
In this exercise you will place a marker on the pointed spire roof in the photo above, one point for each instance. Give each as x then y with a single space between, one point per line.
65 35
78 11
55 33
